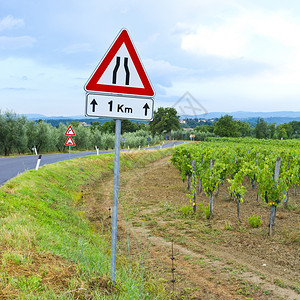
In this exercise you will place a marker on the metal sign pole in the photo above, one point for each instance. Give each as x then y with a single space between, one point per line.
115 202
69 154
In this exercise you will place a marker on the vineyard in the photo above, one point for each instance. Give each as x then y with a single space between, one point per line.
271 167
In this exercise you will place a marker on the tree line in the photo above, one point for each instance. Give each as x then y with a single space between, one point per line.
226 126
19 135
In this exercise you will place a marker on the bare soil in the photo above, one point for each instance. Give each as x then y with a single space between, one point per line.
219 258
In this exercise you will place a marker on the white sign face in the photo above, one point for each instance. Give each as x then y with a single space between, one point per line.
115 107
121 63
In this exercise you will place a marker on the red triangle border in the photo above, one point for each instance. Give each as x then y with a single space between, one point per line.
66 142
92 84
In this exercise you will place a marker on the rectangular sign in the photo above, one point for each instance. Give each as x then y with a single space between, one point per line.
117 107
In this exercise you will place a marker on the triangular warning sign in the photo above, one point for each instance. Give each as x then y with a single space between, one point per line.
69 142
120 71
70 131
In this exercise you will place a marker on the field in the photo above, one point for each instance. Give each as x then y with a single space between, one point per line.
56 223
218 258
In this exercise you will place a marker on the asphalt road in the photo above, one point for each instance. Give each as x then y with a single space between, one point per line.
12 166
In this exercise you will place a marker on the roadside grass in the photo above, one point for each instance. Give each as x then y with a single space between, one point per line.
49 249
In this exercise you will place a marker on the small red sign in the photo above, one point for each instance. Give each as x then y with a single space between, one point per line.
70 131
69 142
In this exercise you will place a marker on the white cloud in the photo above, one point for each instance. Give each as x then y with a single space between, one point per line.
263 92
10 22
162 67
10 42
224 41
237 36
163 73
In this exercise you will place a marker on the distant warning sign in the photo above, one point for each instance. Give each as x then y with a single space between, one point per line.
120 71
70 131
70 142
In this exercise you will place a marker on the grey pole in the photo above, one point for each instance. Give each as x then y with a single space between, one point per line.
69 154
115 203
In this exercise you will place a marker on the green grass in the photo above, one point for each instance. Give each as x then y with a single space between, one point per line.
39 215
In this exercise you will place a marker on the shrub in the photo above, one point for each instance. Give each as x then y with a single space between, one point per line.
227 226
186 210
254 221
204 209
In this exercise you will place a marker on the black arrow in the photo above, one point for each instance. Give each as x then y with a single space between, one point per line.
94 103
146 107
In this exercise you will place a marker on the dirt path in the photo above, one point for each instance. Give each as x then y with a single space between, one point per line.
213 259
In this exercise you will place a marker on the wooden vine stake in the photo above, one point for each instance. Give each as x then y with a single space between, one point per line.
238 207
273 207
211 194
194 185
188 176
200 181
173 268
286 198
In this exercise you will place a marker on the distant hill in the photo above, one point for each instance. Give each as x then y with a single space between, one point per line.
277 117
247 115
276 120
56 120
35 117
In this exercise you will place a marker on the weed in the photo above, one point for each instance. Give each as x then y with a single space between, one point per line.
188 257
181 240
255 221
227 226
213 258
16 258
207 212
204 209
202 263
28 284
152 223
243 291
186 211
227 268
297 289
188 222
280 283
290 237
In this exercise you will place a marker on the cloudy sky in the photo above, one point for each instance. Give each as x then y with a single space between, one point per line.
230 55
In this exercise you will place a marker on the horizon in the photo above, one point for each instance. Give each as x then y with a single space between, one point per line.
216 112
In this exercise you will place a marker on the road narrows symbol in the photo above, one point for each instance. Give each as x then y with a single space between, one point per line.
126 70
114 79
116 69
